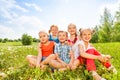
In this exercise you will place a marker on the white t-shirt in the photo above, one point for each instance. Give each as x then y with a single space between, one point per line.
75 49
88 47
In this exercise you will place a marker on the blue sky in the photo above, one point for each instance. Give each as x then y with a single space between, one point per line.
30 16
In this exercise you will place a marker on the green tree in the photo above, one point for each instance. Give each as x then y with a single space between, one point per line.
19 39
35 40
95 35
0 39
116 28
117 15
116 32
5 40
26 39
106 27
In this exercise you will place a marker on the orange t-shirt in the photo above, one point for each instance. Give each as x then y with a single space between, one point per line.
47 49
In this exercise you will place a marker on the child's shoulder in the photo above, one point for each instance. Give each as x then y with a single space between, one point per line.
52 42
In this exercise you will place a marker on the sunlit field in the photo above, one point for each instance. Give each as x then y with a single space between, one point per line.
13 65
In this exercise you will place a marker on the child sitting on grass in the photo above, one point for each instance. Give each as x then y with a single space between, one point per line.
53 33
64 56
86 47
45 52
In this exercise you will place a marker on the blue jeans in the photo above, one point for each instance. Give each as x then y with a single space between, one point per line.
43 58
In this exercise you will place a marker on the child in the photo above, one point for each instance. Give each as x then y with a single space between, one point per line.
73 39
64 55
73 42
87 50
45 50
53 33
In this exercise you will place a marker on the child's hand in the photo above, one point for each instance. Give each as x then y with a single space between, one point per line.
64 64
107 58
102 58
70 64
38 65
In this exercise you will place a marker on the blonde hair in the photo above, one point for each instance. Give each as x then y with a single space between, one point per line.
52 27
42 32
83 29
71 24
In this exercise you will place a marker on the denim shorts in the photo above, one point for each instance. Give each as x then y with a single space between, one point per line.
43 58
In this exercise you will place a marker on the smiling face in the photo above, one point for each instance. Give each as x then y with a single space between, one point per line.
54 30
43 36
72 29
62 36
86 35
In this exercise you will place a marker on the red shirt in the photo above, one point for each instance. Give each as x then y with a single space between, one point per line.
47 49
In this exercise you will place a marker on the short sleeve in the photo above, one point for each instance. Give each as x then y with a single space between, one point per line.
55 49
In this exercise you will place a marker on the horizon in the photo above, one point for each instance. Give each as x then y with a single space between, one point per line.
19 17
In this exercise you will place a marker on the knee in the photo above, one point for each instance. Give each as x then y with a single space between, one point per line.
52 55
28 57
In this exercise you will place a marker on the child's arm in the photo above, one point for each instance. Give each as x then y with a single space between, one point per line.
59 60
39 57
107 57
72 58
90 56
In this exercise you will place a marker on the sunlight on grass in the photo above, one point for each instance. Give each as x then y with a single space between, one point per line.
14 66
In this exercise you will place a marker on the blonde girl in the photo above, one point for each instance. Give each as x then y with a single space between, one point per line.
89 52
53 33
45 52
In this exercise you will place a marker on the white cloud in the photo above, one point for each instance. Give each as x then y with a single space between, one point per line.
36 7
7 6
24 24
27 24
6 32
113 7
18 24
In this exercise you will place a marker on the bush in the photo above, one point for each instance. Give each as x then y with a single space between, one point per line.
26 39
0 39
35 40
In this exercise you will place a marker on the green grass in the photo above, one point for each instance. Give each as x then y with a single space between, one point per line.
14 65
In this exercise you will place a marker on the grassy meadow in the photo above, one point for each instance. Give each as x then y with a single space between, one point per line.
15 67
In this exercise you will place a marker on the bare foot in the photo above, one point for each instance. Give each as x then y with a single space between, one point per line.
62 69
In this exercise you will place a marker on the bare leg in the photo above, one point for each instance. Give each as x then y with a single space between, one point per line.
56 64
48 59
32 60
76 63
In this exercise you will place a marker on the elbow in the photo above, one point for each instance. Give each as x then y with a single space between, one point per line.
82 54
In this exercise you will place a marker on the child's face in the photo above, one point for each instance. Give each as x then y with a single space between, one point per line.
62 36
72 29
86 35
43 37
54 30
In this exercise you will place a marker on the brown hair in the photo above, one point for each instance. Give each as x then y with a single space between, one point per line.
63 32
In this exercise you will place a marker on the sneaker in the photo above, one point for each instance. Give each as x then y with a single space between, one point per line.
102 79
2 74
96 76
112 68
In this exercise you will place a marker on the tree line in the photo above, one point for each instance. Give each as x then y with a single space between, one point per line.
109 28
26 40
